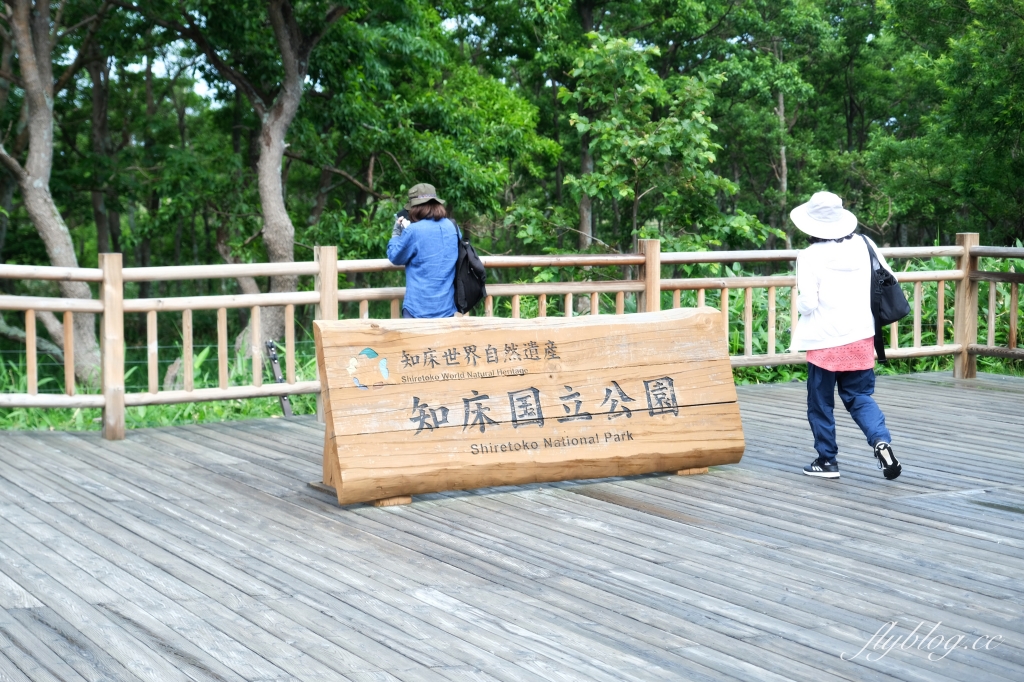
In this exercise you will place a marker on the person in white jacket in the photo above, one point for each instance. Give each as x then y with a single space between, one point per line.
837 330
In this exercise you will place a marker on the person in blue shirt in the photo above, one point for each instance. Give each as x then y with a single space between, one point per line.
427 244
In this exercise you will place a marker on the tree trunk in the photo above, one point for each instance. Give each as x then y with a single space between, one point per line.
7 185
586 234
34 44
102 146
783 168
7 181
276 113
278 231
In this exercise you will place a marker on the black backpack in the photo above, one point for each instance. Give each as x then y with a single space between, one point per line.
470 276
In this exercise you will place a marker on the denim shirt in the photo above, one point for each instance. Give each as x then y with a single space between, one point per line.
428 249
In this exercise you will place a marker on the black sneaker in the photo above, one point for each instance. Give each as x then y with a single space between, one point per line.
887 461
822 468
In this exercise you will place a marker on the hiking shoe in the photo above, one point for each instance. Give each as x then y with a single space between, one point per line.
823 468
887 461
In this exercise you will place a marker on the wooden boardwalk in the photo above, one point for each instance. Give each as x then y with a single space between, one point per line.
199 553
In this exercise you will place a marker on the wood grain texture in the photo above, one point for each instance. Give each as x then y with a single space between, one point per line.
187 367
289 343
1014 314
256 346
152 353
965 321
222 347
414 407
69 352
940 323
31 367
56 305
112 346
142 305
199 553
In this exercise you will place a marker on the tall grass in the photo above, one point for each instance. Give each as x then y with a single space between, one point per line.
13 379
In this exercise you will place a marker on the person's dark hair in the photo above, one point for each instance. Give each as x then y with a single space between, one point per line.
817 240
431 210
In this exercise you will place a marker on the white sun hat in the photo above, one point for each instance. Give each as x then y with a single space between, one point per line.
824 217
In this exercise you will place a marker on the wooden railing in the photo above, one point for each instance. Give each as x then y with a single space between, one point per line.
646 291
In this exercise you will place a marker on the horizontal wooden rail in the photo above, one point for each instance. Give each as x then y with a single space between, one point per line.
727 282
526 289
929 275
694 257
996 352
690 284
801 358
377 294
597 260
225 271
562 261
997 252
145 305
987 276
563 288
922 251
368 265
50 400
229 393
55 305
47 272
689 257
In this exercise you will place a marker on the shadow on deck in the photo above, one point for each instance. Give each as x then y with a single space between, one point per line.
199 553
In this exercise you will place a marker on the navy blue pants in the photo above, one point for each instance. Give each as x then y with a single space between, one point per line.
855 389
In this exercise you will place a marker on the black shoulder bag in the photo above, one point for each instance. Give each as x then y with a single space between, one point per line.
470 276
888 303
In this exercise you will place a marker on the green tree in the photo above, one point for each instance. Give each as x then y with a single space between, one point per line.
651 136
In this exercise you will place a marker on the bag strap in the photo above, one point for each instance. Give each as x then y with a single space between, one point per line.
875 264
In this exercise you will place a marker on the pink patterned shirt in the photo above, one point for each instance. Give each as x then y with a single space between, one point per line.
851 357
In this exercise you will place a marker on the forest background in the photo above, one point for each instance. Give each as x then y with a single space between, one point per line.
202 131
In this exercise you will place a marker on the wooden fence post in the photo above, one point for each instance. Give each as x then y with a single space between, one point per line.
326 283
112 346
965 312
650 273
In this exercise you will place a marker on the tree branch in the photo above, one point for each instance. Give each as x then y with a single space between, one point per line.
190 31
400 169
333 15
11 78
69 72
338 171
11 164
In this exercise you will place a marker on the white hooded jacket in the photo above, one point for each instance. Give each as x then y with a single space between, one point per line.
834 301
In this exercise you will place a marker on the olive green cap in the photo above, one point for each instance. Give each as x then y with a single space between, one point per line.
421 194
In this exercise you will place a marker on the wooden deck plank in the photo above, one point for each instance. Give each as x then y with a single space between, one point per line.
45 659
197 543
594 610
143 510
764 613
182 552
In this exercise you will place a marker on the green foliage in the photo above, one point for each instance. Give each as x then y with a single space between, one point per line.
651 136
13 379
707 120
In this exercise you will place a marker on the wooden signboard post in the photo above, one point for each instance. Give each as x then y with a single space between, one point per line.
419 406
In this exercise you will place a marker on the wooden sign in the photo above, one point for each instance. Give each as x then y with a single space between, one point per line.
419 406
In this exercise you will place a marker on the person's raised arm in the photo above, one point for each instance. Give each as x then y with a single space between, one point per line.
401 247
